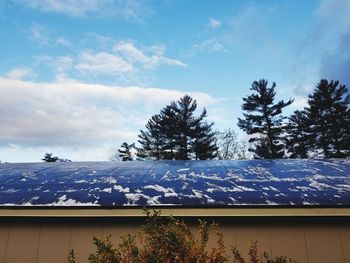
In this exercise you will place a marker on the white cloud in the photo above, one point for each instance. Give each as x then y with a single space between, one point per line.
214 23
207 46
102 63
69 7
126 61
78 115
138 55
61 41
39 34
128 9
60 65
299 102
19 73
97 40
44 37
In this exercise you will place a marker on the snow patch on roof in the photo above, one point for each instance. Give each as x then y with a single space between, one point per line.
183 170
110 180
320 186
133 198
107 190
216 188
119 188
64 201
81 181
168 192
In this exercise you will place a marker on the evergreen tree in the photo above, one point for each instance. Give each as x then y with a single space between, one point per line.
151 140
328 112
298 139
49 158
125 151
176 134
169 131
262 118
204 144
188 126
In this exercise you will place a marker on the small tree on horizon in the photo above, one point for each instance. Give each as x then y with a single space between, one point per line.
125 151
49 158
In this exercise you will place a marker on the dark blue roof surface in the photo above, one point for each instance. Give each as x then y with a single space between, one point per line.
179 183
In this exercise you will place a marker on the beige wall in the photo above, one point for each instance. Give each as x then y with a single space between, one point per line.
49 240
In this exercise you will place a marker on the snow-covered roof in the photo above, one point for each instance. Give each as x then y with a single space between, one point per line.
177 183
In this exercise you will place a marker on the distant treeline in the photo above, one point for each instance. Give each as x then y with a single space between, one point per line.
321 129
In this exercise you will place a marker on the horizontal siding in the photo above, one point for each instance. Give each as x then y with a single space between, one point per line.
51 240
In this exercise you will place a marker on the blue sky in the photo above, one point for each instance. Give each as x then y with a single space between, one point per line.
77 78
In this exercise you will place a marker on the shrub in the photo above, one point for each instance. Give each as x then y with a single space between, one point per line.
168 240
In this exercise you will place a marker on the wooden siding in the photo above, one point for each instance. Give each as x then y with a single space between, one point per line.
49 240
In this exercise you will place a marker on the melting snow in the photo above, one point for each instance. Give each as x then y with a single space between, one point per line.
81 181
183 170
134 198
107 190
110 180
168 192
63 201
119 188
11 191
320 186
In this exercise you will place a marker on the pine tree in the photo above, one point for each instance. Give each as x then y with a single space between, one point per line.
204 144
176 134
151 140
298 138
49 158
169 131
125 151
188 125
328 112
262 118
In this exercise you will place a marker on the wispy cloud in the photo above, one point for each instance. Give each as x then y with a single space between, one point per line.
137 55
124 61
333 38
20 73
44 37
39 34
60 65
251 29
207 46
61 41
71 8
98 40
128 9
103 63
214 23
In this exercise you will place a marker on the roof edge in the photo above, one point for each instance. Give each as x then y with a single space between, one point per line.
181 212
